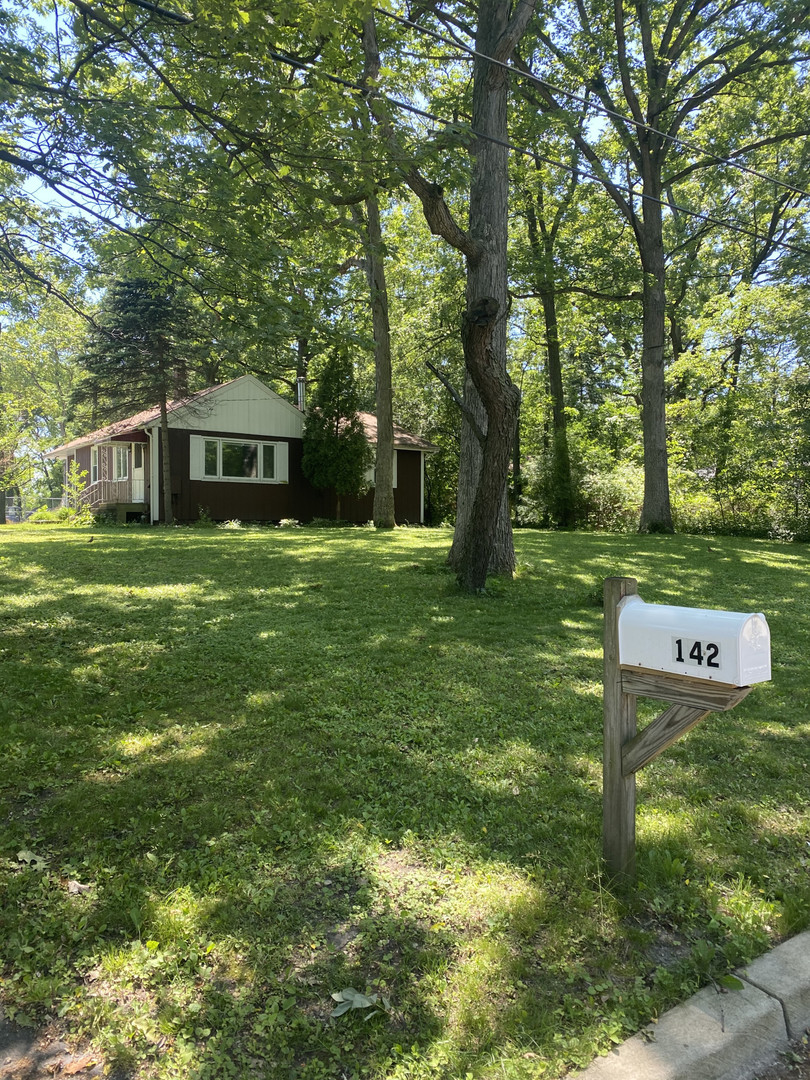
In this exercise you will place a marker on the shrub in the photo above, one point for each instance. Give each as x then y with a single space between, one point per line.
612 500
63 515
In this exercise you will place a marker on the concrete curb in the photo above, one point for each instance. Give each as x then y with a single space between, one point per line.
722 1036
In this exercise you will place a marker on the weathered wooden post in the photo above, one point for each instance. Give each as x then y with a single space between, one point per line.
618 789
700 660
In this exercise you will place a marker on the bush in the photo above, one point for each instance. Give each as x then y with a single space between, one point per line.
63 515
539 503
612 500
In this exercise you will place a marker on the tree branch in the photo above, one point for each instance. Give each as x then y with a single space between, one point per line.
454 394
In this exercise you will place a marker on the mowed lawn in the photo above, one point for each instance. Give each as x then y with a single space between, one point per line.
245 770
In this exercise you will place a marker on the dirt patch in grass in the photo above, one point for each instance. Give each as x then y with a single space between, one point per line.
27 1054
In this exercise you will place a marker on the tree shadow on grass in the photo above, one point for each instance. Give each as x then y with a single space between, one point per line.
332 782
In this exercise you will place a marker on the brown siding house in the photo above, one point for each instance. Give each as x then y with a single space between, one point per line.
235 453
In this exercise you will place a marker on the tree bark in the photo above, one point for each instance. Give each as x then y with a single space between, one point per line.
483 538
656 512
501 401
383 512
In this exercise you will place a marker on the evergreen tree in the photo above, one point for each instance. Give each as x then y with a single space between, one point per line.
336 453
138 357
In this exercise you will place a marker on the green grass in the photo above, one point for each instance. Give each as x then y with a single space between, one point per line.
246 769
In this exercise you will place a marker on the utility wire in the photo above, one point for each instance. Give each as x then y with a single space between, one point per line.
710 219
596 106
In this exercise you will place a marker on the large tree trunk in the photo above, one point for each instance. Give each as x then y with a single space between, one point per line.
502 556
656 511
482 482
501 401
483 536
563 509
383 512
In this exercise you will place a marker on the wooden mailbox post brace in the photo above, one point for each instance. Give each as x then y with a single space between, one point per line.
626 751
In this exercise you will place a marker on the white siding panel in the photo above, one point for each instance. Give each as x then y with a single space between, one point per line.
245 407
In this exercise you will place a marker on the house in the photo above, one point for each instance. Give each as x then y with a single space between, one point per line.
235 453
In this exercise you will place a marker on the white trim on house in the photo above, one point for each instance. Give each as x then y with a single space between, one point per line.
120 455
371 473
154 473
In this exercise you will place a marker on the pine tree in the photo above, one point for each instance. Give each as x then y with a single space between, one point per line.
336 452
138 357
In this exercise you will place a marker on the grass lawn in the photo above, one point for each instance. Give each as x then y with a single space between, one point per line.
245 770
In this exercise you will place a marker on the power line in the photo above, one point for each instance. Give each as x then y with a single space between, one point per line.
710 219
598 107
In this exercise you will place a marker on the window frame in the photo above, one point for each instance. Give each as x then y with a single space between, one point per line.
93 464
120 457
218 441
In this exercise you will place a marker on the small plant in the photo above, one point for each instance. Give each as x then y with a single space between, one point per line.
75 483
330 523
234 524
75 510
289 523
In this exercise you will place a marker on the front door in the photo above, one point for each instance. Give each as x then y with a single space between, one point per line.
138 473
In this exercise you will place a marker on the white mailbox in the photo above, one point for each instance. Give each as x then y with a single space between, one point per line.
726 646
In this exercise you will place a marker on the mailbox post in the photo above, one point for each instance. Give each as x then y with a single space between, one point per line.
701 661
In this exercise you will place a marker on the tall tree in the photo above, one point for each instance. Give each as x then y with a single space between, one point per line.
140 356
655 71
383 513
482 540
336 453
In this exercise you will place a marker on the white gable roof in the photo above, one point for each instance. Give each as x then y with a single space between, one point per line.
244 405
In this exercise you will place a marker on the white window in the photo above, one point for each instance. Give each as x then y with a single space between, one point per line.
121 463
93 464
239 460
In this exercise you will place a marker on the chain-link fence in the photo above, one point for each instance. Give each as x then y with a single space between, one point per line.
18 510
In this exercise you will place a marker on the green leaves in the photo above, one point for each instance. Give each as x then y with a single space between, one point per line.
351 999
336 452
30 859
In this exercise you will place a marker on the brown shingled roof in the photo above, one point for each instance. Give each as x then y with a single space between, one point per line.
403 440
129 425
